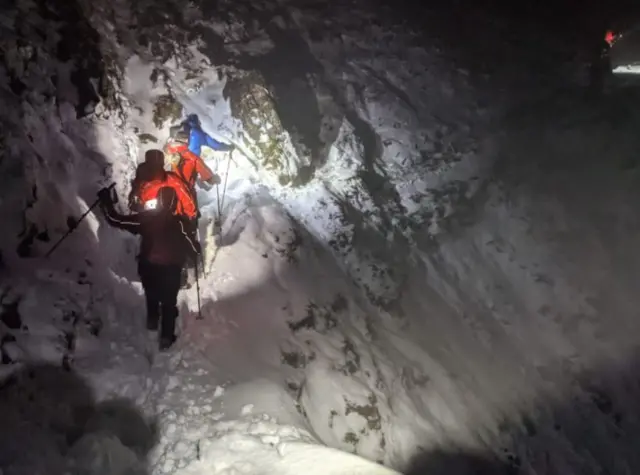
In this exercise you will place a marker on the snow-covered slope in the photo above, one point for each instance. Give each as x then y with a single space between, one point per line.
378 287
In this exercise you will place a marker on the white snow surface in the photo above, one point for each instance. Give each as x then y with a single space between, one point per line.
348 327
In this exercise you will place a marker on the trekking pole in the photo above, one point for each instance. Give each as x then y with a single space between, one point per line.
73 226
217 223
217 220
199 317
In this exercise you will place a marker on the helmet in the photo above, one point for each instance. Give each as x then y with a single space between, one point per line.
143 173
171 149
193 120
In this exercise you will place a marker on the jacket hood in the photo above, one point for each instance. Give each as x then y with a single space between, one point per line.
193 120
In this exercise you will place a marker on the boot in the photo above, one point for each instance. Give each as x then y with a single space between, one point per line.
166 342
168 327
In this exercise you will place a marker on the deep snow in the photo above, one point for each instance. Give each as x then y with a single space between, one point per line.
380 287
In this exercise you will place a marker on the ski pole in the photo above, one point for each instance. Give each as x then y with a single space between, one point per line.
217 223
199 317
217 219
73 227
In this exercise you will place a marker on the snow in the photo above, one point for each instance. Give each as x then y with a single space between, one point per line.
408 297
627 69
250 456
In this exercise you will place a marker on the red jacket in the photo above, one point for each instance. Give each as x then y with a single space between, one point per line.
148 190
190 165
165 237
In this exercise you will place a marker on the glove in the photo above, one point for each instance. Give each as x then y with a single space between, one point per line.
104 195
230 147
215 180
205 185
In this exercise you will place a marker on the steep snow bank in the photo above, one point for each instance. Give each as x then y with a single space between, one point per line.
541 310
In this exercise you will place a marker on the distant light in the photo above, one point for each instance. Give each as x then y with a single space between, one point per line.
610 37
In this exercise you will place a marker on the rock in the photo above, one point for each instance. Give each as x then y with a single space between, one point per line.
166 107
252 102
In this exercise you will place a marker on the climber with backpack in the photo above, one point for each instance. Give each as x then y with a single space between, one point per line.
184 148
150 177
165 248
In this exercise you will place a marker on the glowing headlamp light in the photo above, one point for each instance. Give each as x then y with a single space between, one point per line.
151 204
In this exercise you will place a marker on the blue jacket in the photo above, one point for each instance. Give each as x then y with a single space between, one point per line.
199 138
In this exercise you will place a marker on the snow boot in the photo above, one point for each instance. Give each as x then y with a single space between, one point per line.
168 327
166 342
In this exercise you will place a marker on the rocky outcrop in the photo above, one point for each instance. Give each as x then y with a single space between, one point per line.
252 102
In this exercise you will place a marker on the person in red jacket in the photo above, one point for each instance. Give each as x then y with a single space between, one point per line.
189 166
150 177
166 245
185 145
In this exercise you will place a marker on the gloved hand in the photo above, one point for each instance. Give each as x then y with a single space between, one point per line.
104 195
205 185
215 180
231 147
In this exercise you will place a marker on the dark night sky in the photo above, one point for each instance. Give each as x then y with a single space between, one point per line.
558 15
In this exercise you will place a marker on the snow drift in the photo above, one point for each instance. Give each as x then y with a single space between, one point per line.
379 287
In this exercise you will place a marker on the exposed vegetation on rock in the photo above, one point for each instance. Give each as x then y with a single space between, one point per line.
165 108
252 102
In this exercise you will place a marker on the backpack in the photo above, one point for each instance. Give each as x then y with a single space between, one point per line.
148 195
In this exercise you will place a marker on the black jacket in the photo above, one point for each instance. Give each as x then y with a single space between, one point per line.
165 237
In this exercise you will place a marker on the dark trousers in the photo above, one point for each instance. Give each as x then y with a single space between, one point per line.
161 284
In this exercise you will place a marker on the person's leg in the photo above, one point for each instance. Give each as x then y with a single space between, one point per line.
189 270
185 282
169 305
152 293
